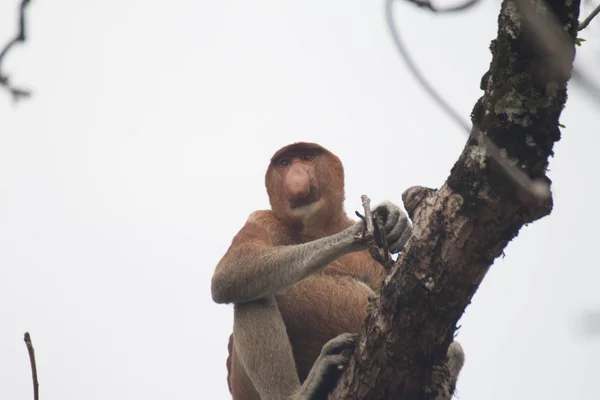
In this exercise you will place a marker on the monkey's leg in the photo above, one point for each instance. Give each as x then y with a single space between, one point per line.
445 376
264 348
455 359
328 368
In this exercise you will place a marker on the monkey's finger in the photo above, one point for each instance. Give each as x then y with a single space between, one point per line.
341 343
393 216
389 214
336 360
383 209
397 245
394 235
398 229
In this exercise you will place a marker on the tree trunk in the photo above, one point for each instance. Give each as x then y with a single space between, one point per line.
461 228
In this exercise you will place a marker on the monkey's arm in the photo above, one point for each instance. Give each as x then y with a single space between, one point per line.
254 268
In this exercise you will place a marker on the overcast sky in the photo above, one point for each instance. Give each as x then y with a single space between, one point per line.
143 150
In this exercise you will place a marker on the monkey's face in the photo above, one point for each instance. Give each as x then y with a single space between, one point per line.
296 177
304 180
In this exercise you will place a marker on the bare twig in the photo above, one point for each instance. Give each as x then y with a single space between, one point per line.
534 188
416 72
583 24
16 93
428 5
34 377
366 203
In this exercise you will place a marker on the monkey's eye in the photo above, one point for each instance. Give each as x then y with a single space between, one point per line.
284 162
307 157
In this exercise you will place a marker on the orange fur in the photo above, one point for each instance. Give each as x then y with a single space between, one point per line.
324 304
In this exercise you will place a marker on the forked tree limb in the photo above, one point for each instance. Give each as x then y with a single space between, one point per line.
460 229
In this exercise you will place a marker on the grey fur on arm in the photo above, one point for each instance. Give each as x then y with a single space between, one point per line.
253 271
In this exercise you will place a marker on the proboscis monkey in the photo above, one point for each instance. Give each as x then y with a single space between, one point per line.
299 276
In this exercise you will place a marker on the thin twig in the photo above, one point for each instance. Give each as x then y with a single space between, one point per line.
428 5
34 377
416 72
16 93
583 24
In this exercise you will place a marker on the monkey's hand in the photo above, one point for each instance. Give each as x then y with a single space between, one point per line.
396 225
326 371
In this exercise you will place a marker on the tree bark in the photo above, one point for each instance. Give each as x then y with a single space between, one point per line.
460 229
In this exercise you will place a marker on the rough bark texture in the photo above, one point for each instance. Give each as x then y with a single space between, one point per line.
460 229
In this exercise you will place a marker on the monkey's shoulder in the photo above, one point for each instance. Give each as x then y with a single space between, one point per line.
262 217
265 224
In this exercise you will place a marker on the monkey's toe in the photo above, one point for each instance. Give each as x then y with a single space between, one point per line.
340 343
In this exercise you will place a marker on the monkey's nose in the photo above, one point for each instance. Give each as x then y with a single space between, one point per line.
297 184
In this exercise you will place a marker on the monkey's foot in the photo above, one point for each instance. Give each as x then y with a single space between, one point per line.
326 371
444 377
455 359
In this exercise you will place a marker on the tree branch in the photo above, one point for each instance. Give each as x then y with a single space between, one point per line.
34 377
459 7
583 24
459 230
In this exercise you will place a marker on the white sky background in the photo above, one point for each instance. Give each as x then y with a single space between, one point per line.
143 150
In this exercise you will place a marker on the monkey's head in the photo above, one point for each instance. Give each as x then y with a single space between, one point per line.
305 180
